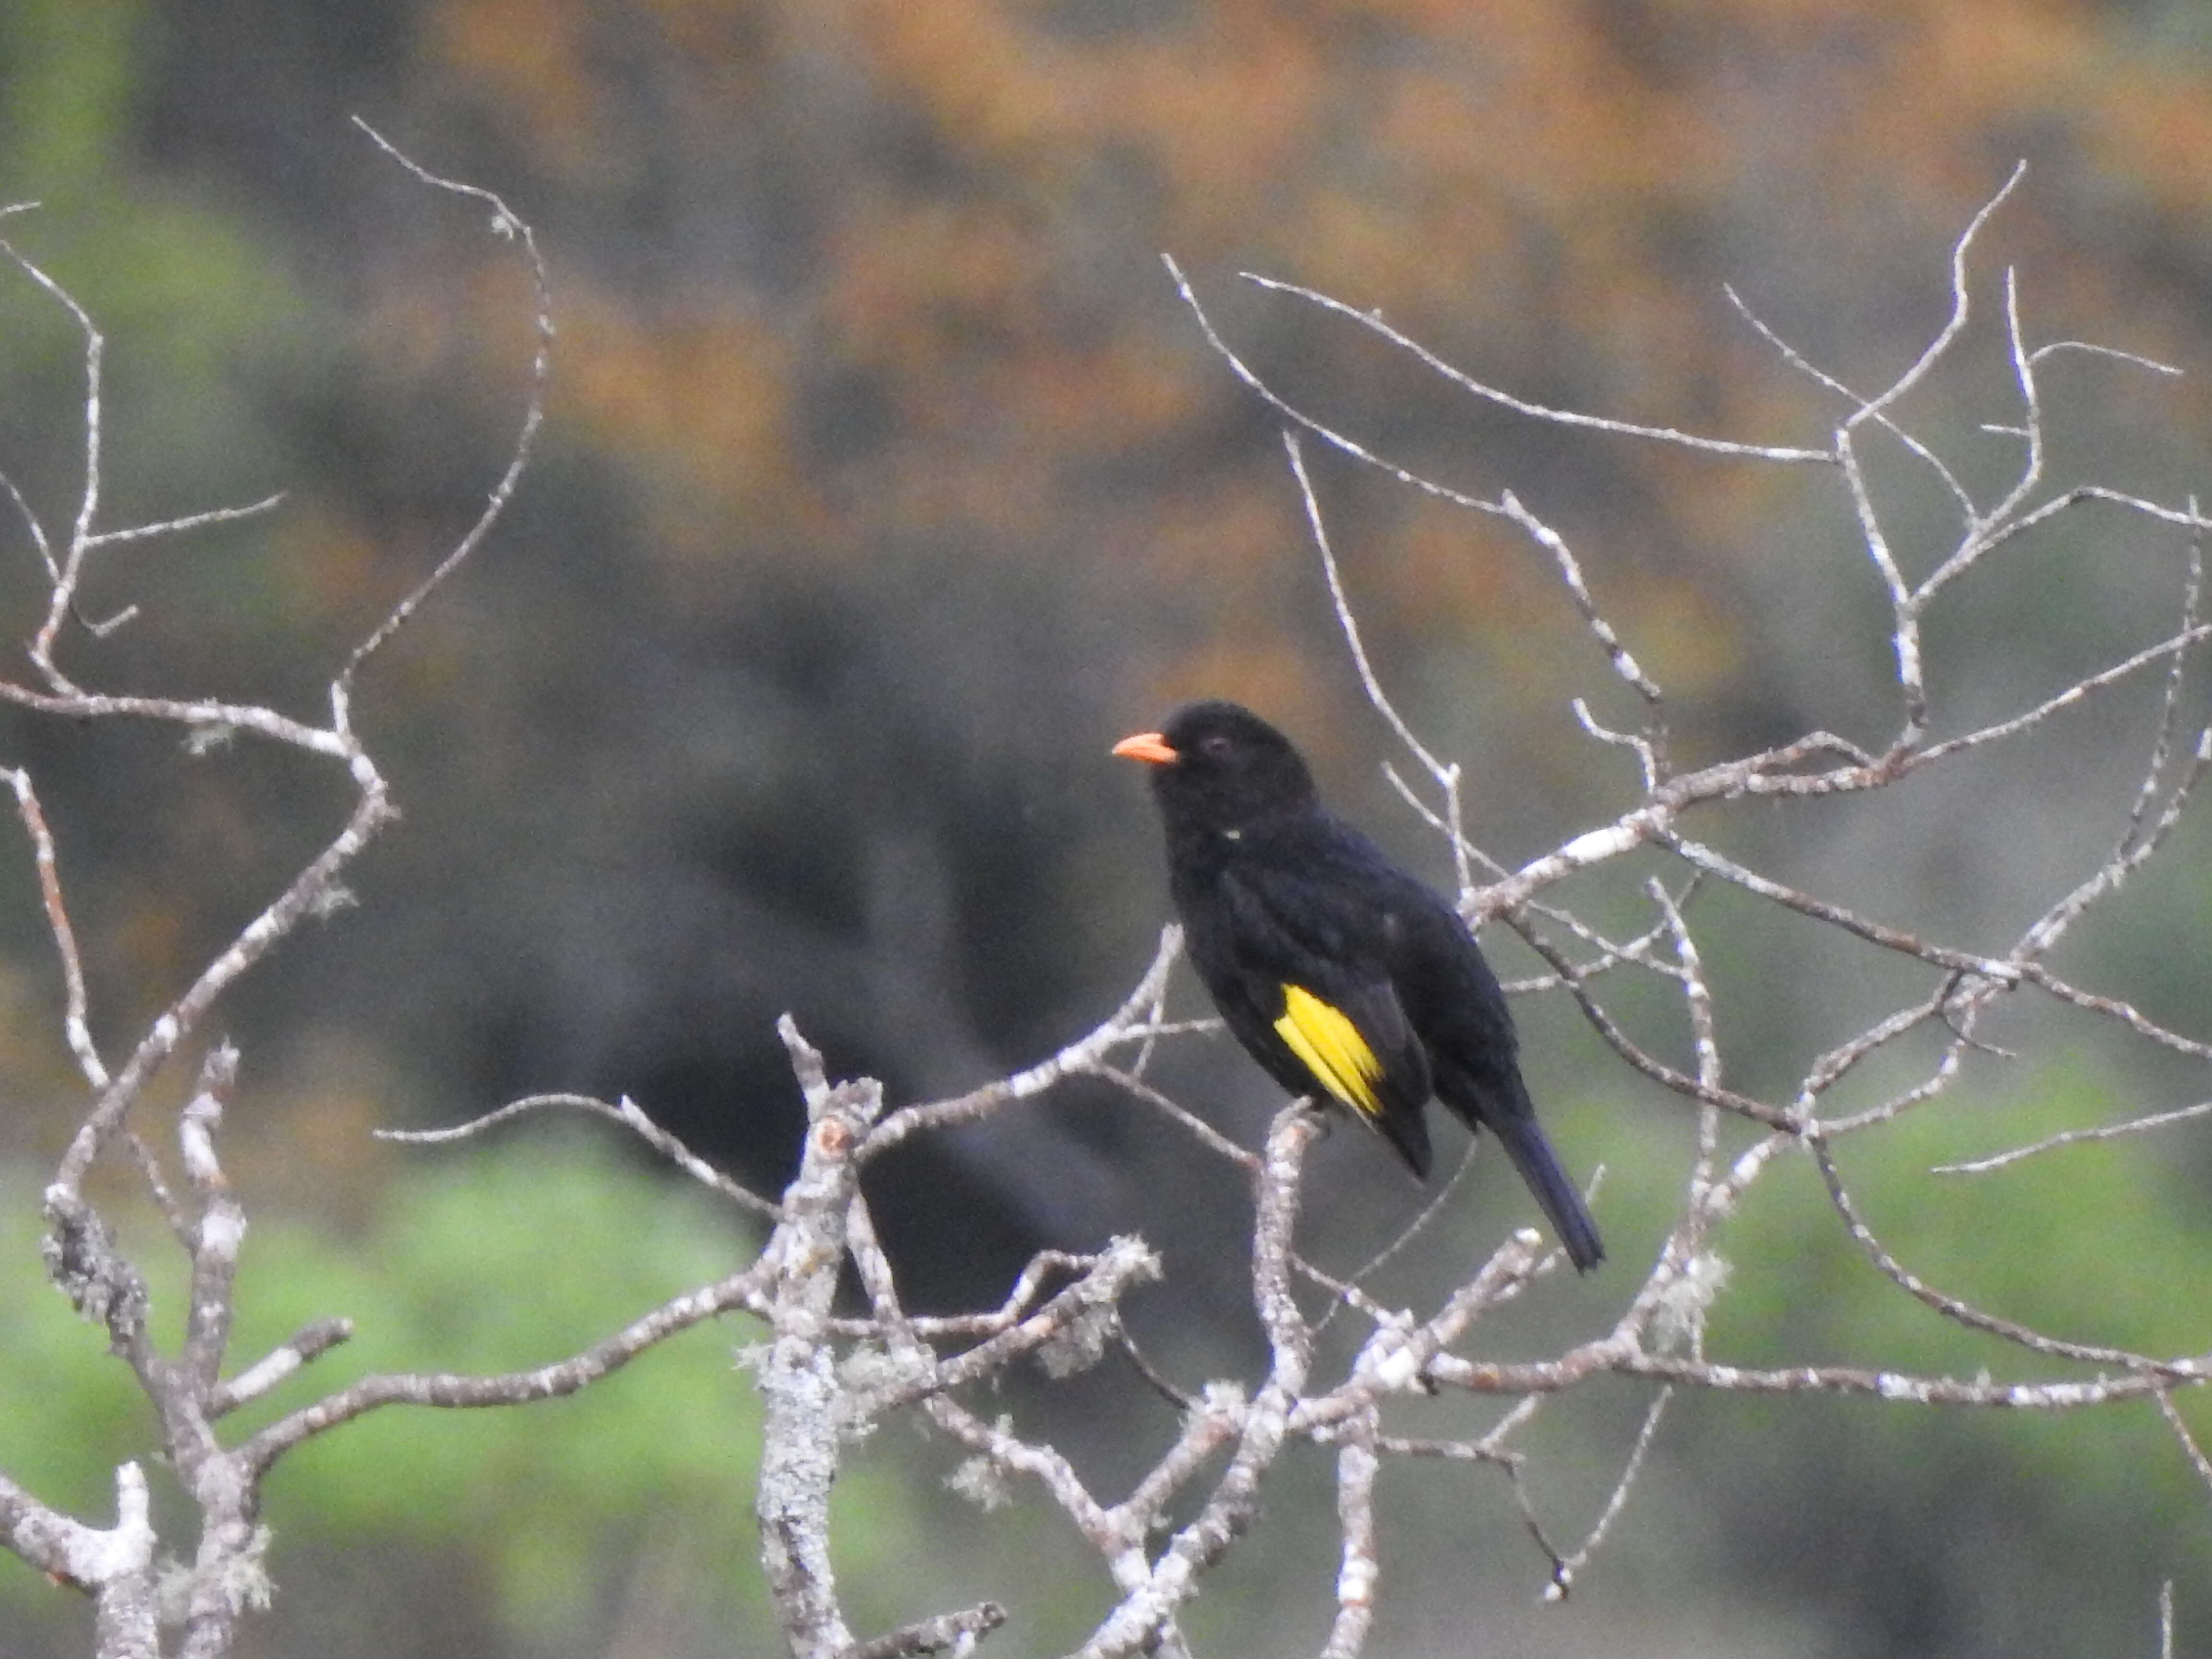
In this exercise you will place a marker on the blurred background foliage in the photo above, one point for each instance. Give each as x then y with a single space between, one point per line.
886 482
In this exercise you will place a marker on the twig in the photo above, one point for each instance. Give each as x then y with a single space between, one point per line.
1567 417
75 1023
626 1112
505 223
2074 1137
1132 1022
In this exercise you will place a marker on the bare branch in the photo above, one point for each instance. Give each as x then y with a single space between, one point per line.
1348 621
1373 322
300 900
506 224
304 1347
2075 1137
1131 1023
1181 1116
169 527
1562 1574
625 1112
452 1391
69 570
956 1630
1955 324
1821 377
1570 575
2197 1460
221 1226
1358 1570
1951 1307
74 1020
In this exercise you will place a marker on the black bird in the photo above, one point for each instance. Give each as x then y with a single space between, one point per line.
1339 973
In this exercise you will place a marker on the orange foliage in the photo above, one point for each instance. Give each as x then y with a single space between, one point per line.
702 394
1553 191
530 57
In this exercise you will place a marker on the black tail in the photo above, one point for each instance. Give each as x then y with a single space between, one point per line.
1498 1103
1562 1205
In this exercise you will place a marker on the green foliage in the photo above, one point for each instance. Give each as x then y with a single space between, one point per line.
195 306
517 1256
71 87
2041 1242
178 279
68 1413
2085 1243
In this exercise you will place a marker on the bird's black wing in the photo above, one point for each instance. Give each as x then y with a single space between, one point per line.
1454 1004
1291 938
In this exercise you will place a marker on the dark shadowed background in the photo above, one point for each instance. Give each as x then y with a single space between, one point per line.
885 482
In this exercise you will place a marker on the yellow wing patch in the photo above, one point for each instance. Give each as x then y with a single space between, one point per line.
1332 1048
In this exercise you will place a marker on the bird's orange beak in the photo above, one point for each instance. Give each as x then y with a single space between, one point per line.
1146 746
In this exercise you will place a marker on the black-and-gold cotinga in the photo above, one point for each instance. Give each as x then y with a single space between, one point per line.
1342 975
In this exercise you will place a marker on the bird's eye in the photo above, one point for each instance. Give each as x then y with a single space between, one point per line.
1217 747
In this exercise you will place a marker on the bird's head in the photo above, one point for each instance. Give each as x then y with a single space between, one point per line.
1219 766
